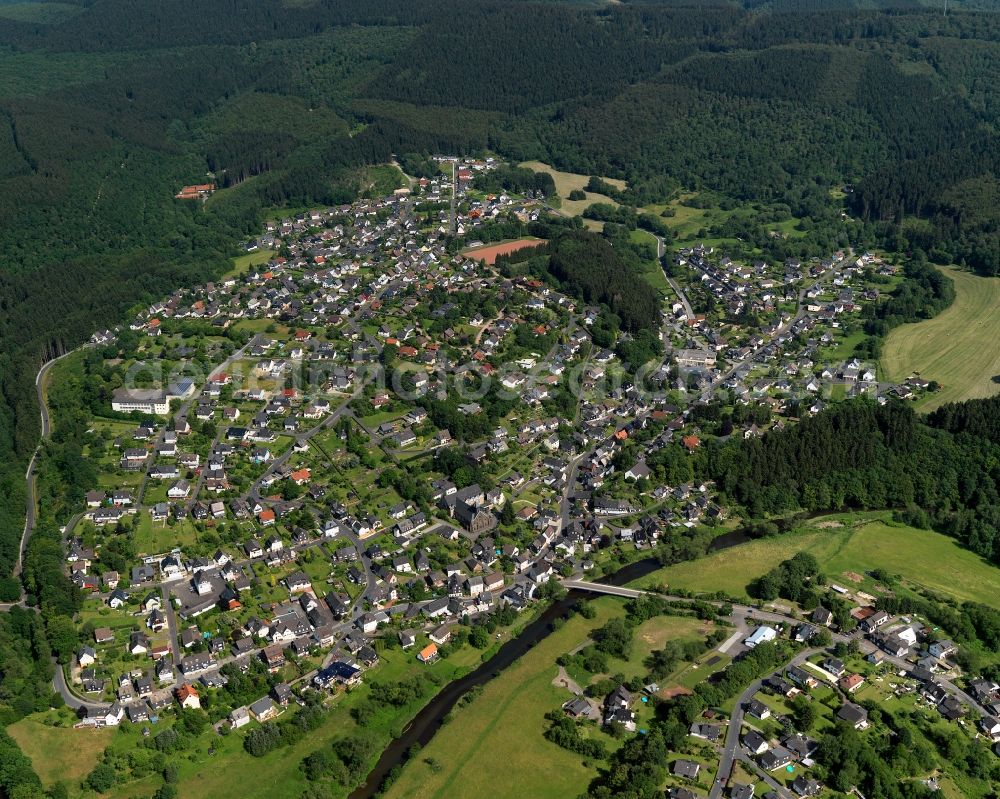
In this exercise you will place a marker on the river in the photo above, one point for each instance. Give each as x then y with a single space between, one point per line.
427 722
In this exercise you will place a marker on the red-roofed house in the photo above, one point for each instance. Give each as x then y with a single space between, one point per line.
428 653
187 695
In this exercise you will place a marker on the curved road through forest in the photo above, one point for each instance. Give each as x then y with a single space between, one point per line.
31 502
30 521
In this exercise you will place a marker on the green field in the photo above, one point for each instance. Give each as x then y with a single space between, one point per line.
150 537
922 558
496 743
383 179
567 182
59 753
242 263
652 271
42 13
956 347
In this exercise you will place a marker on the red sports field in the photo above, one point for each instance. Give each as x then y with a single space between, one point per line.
490 252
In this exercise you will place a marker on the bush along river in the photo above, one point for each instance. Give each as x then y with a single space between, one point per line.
429 720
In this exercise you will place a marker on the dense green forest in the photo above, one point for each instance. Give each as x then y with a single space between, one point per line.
939 471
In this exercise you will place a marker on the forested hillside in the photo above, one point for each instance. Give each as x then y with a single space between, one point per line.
106 110
939 472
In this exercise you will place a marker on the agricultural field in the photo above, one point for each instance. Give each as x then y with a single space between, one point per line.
567 182
504 725
922 558
955 348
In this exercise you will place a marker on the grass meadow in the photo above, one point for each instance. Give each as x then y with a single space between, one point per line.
957 348
922 558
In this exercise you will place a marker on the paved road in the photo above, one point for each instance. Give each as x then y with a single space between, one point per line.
343 410
168 611
731 747
453 218
31 499
745 617
601 588
731 750
29 477
661 251
72 700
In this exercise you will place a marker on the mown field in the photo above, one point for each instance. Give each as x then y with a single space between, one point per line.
243 263
957 348
921 557
59 753
496 744
567 182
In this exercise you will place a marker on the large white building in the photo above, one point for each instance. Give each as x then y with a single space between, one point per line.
700 358
760 636
153 401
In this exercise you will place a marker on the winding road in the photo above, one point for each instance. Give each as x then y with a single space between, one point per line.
31 498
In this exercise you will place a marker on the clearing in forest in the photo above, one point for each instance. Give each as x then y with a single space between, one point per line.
957 348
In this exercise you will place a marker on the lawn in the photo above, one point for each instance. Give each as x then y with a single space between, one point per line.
922 557
567 182
59 753
843 347
151 538
952 348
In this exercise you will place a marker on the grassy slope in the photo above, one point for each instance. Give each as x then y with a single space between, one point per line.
59 753
567 182
921 557
956 348
243 263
